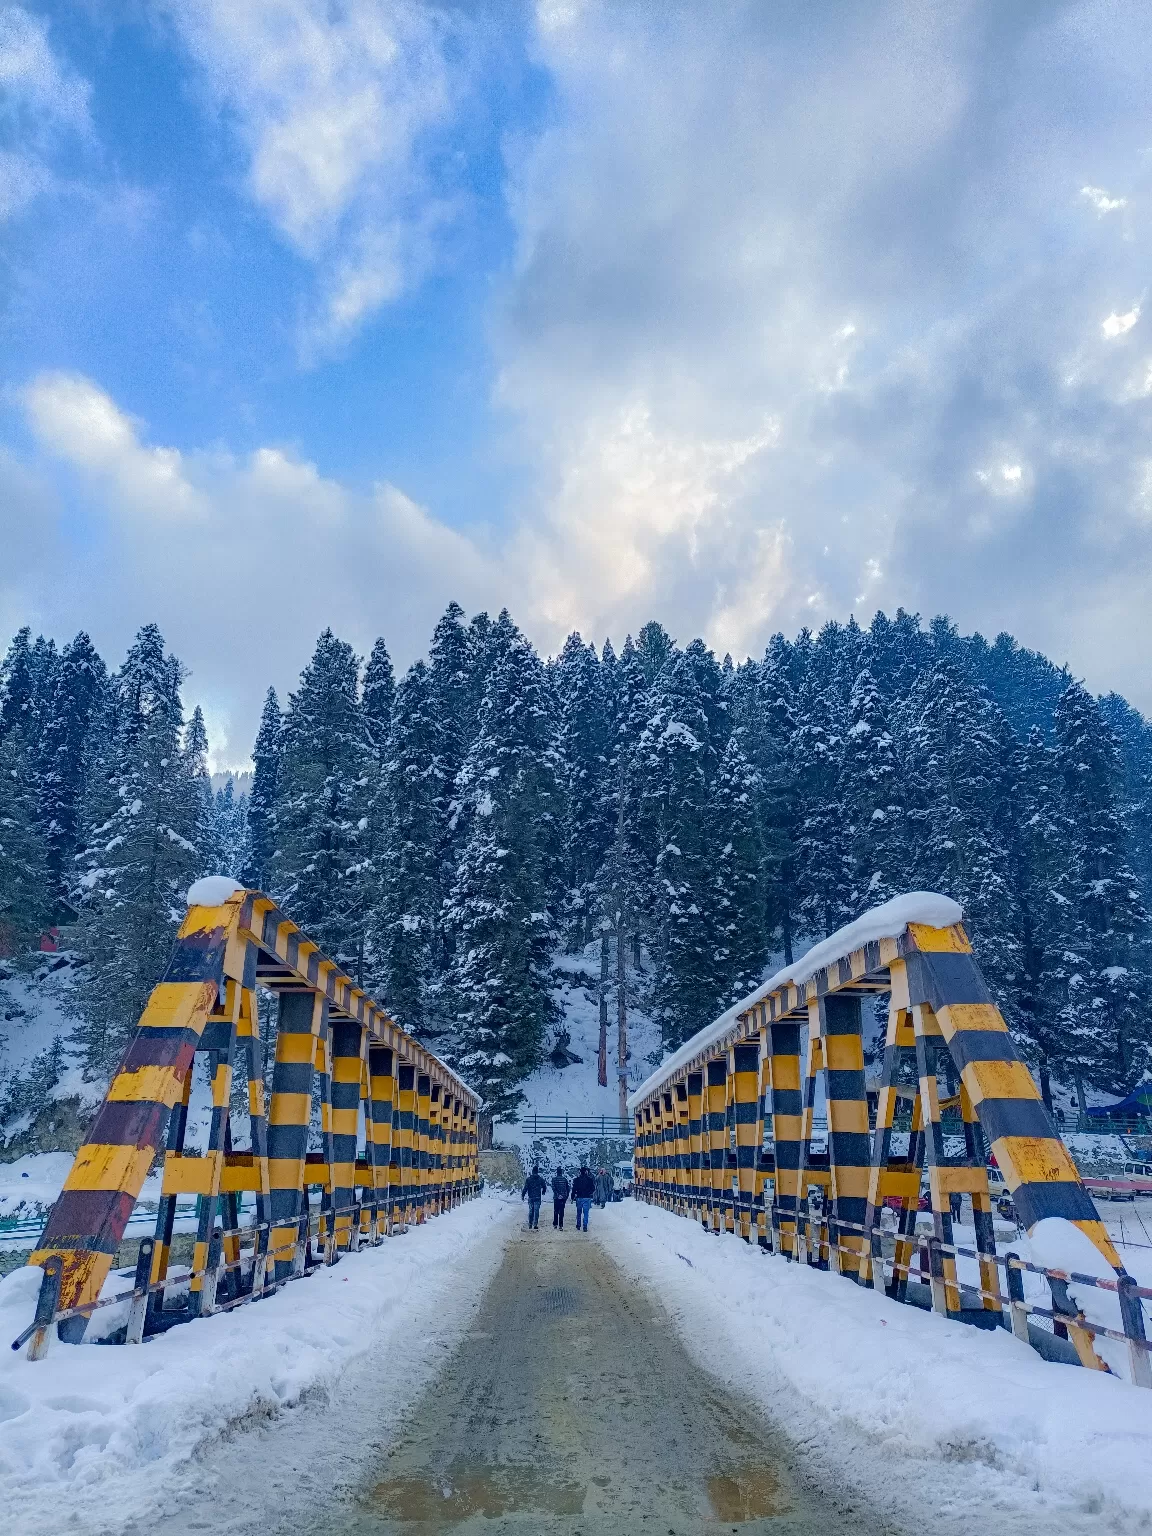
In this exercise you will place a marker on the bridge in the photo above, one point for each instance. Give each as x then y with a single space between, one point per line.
342 1072
724 1130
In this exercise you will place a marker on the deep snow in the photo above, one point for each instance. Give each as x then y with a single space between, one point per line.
942 1426
94 1434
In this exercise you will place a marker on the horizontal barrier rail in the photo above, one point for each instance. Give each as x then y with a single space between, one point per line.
320 1224
608 1127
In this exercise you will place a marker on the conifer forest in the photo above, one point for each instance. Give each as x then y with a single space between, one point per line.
688 823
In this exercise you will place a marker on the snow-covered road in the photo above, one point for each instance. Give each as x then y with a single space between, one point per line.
94 1439
942 1427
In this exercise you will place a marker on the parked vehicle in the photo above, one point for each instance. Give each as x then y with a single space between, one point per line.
621 1179
1140 1175
1111 1189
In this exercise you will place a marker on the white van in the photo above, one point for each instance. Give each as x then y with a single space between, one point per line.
621 1179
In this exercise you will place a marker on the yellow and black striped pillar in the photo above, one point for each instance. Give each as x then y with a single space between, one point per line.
379 1129
746 1102
347 1075
301 1016
86 1224
695 1090
717 1087
787 1121
838 1019
423 1108
405 1131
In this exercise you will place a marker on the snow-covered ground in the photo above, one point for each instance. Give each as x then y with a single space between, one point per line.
944 1427
573 1089
92 1436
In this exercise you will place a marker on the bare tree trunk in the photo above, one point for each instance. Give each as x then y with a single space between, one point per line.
1080 1099
621 1019
1045 1086
602 1057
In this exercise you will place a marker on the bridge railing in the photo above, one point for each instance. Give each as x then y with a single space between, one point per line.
703 1118
579 1127
395 1127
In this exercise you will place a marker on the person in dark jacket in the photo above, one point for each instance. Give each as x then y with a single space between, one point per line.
560 1192
603 1187
583 1188
533 1192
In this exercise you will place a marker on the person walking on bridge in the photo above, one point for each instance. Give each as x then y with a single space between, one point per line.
560 1192
583 1188
533 1192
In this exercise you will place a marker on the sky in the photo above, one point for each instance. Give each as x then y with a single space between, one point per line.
743 316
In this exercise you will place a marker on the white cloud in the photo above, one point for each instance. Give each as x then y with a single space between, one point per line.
335 106
41 99
1101 201
242 561
1118 325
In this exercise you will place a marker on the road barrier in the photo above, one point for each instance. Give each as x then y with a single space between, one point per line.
344 1076
949 1062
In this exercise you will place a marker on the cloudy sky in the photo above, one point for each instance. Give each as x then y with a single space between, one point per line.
740 315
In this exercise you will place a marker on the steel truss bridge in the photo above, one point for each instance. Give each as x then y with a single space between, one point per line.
340 1063
701 1121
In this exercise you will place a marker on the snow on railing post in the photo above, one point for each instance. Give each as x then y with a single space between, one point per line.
1132 1314
134 1330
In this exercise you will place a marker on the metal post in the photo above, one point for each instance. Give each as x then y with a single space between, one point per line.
134 1332
46 1303
1132 1313
1016 1312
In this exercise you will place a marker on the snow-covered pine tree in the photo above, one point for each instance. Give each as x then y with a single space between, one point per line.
78 700
500 910
16 683
141 814
673 766
897 651
1108 991
738 877
263 796
26 896
207 836
774 712
820 846
406 921
950 735
377 696
232 830
451 680
654 647
583 747
321 813
871 793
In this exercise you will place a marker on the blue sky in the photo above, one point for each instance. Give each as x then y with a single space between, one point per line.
742 316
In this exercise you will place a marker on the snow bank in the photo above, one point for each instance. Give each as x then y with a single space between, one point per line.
212 891
90 1436
917 1411
883 922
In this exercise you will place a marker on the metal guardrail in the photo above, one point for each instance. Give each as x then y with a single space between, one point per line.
609 1127
371 1222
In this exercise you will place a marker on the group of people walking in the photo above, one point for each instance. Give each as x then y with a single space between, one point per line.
584 1189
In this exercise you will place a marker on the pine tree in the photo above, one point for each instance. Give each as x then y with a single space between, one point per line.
141 816
16 684
674 764
654 648
407 920
231 817
951 744
738 884
871 793
583 748
78 700
207 836
377 696
264 794
1105 1017
320 807
773 711
499 911
25 888
821 853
